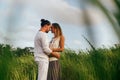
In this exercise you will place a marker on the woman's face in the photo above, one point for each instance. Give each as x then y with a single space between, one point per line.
52 29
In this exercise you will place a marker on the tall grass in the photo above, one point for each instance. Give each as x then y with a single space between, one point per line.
98 64
102 64
16 67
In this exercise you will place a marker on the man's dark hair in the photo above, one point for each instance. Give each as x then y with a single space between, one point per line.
44 22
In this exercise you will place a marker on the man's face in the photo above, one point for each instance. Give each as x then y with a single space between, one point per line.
48 28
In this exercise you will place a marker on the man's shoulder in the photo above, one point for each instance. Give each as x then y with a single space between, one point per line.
42 34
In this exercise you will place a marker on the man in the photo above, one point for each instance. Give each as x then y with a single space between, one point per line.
42 50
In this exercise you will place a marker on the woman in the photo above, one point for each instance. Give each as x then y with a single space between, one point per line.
57 45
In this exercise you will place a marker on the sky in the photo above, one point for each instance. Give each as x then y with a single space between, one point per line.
20 21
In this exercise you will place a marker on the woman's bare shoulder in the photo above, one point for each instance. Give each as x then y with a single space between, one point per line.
62 37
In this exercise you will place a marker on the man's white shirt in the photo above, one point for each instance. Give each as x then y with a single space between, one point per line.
41 47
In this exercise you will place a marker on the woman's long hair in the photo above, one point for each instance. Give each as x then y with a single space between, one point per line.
58 30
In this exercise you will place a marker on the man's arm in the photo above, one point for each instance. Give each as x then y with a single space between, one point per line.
45 45
46 48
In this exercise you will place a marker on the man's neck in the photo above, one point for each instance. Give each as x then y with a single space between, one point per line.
42 30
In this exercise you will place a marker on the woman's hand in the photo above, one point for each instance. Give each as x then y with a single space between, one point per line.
52 49
55 54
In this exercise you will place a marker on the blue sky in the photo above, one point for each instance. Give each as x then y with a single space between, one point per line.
19 22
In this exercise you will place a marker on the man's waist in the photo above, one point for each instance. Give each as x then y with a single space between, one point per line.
41 58
41 55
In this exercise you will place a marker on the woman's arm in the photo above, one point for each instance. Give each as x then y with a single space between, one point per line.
61 44
55 54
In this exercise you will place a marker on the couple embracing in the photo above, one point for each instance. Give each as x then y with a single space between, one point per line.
47 54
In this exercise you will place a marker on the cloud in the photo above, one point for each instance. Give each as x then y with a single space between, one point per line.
1 36
26 22
23 44
57 10
77 42
26 33
96 16
105 35
29 12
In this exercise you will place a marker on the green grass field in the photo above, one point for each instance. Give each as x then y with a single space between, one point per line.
96 64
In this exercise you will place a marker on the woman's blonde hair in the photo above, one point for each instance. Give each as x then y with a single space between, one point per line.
58 30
